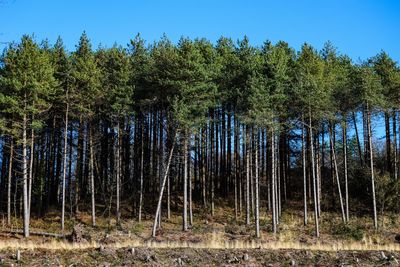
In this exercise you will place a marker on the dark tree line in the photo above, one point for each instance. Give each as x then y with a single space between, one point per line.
149 129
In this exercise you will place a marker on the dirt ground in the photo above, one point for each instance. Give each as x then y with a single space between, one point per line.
216 241
197 257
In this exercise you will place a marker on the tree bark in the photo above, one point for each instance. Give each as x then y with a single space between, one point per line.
64 168
337 177
32 153
247 141
162 188
303 149
92 177
388 143
395 171
372 167
141 174
256 189
185 178
357 138
273 178
10 167
25 178
346 184
118 173
313 177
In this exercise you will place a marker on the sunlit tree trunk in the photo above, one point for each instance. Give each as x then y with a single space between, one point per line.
337 178
303 150
346 184
371 158
10 171
256 189
25 178
64 168
314 177
162 187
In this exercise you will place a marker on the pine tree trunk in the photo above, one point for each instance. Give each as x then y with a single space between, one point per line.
25 178
388 143
371 158
318 172
346 184
337 178
10 167
141 174
118 173
247 141
357 138
212 164
273 178
92 177
237 167
32 153
256 189
278 182
64 168
395 171
313 177
203 164
185 178
190 188
162 187
303 148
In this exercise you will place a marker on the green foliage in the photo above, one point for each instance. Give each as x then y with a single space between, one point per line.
349 231
309 90
386 192
195 83
86 75
28 84
115 82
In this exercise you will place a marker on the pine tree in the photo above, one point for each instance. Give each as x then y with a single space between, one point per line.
29 87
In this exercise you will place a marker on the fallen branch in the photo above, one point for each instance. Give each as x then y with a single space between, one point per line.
35 233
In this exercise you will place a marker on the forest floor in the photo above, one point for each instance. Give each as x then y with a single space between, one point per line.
211 241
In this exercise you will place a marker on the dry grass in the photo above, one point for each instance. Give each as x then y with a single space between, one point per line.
215 243
216 233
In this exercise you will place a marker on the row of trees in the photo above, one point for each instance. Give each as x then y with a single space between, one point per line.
201 122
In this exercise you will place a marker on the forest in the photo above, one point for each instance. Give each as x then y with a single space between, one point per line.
148 130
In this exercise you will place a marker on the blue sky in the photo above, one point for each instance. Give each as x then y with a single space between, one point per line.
358 28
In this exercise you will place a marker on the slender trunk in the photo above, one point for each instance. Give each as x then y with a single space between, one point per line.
25 178
273 178
162 188
32 153
92 176
395 146
337 178
256 189
64 169
10 166
185 178
346 184
141 174
318 172
313 177
203 164
388 143
247 141
372 167
190 192
357 138
212 164
118 173
303 148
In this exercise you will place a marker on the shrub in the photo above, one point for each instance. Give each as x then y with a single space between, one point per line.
349 231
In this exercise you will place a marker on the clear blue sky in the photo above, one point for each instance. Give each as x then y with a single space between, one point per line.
358 28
